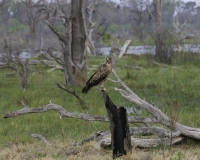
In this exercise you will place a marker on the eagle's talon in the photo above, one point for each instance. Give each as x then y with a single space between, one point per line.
104 89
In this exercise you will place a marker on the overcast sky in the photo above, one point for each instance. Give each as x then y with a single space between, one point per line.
197 1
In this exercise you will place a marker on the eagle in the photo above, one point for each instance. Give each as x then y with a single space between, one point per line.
99 77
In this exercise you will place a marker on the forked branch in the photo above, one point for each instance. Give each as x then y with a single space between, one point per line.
163 119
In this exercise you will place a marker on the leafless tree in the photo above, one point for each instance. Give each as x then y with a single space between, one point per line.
33 18
71 36
90 9
179 33
139 16
10 58
163 52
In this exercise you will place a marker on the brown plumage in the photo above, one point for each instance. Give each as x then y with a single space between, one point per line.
99 76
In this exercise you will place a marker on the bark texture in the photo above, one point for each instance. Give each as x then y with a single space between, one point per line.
73 45
78 72
119 128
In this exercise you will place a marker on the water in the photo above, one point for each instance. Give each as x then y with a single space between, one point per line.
138 50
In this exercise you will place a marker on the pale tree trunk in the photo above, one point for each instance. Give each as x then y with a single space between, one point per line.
24 73
158 40
90 48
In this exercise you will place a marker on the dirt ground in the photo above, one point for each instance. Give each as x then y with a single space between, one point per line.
59 150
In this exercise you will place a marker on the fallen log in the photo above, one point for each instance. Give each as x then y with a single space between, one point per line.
141 142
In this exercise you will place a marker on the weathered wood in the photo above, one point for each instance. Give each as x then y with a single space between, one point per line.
161 132
165 137
133 67
90 48
163 119
124 48
95 136
119 128
59 109
40 137
65 114
114 52
73 93
142 143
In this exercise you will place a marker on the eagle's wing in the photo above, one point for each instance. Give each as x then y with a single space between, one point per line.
96 78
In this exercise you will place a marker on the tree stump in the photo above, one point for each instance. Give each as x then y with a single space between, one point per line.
114 52
119 127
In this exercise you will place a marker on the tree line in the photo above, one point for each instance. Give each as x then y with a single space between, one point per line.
76 29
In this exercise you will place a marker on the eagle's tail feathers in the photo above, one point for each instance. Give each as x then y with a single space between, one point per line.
85 89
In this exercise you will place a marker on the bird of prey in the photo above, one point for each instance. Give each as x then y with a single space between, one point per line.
99 77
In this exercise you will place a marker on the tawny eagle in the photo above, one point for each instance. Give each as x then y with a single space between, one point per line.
99 77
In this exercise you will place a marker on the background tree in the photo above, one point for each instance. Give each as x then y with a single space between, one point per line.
139 17
72 39
159 52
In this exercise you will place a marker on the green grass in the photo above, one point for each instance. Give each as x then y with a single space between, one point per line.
172 87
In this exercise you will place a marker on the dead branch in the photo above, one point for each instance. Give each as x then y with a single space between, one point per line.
94 136
103 138
142 143
59 109
73 93
133 67
156 112
64 113
159 64
40 137
124 48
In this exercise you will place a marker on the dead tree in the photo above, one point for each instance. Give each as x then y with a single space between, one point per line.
72 41
179 35
119 128
90 9
32 16
33 19
125 47
139 18
11 59
158 37
114 52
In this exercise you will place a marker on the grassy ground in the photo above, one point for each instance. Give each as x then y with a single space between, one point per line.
173 88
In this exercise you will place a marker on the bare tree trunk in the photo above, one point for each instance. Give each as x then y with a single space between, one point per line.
78 65
90 48
158 40
24 73
73 45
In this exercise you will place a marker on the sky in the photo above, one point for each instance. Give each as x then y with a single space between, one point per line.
197 1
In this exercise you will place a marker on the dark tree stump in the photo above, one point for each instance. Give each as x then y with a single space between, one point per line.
119 127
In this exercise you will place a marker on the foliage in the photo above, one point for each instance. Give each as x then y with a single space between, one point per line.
117 28
106 37
15 26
